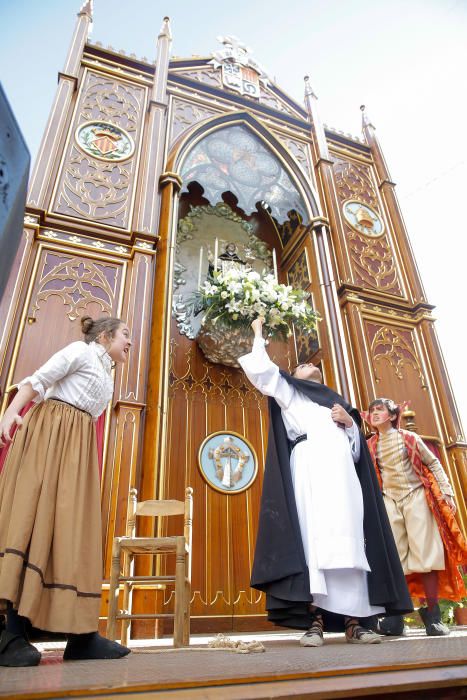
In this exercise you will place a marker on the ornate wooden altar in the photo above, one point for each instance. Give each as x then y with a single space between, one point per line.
140 166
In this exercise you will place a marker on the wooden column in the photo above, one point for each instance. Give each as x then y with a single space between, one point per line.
156 416
154 445
124 446
333 318
154 143
60 113
326 184
387 189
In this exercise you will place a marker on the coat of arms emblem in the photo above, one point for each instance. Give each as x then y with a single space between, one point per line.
239 71
104 141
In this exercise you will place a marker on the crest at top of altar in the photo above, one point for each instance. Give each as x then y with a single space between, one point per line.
240 72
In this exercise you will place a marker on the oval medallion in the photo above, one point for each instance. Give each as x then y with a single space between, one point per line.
227 462
363 218
104 141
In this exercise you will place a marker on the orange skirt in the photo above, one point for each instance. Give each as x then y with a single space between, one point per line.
50 521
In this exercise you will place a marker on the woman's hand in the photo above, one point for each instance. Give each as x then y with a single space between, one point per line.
257 326
340 416
6 425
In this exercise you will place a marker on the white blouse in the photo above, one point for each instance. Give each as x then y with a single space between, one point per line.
79 374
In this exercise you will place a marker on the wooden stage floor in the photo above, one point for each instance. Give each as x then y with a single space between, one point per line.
415 666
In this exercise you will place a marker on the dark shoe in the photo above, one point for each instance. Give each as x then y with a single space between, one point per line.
16 651
391 626
432 621
82 647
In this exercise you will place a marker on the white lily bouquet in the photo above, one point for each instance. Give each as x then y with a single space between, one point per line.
232 299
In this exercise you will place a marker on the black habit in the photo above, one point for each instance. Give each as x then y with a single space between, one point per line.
279 567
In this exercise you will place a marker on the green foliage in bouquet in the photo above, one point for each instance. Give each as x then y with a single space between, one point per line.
233 299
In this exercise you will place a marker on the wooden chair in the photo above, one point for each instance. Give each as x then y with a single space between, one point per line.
130 545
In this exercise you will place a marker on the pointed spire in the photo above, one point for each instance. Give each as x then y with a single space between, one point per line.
366 121
78 42
369 133
312 107
165 29
308 89
162 62
87 9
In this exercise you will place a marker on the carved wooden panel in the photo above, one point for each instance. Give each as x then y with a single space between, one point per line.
373 259
298 273
98 188
299 277
185 114
207 75
300 152
66 286
398 369
269 99
205 398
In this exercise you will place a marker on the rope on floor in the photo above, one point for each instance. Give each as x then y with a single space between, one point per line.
220 643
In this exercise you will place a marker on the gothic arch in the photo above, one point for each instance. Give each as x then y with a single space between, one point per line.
191 138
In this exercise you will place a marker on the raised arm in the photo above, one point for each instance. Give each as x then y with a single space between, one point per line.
262 372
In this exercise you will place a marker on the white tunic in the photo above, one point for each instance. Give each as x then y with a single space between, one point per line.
327 491
79 374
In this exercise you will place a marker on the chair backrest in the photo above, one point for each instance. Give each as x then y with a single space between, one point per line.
161 508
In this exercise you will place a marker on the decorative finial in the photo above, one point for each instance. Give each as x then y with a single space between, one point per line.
86 9
165 29
365 118
308 89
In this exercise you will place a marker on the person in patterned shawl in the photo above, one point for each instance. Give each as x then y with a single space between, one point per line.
420 505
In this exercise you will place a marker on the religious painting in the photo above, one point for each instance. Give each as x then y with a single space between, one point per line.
227 462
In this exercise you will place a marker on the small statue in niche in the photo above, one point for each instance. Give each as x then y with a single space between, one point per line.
290 226
228 260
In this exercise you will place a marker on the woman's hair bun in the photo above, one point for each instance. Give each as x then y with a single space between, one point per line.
86 324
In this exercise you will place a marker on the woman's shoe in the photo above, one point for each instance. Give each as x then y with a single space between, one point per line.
82 647
15 650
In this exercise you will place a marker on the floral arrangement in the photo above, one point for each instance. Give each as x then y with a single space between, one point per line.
234 298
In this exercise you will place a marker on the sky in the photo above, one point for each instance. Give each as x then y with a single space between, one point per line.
406 60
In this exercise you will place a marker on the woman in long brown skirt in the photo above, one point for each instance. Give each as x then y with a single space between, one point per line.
50 517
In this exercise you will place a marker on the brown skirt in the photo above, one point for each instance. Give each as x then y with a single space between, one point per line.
50 520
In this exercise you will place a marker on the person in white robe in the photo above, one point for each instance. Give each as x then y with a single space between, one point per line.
322 462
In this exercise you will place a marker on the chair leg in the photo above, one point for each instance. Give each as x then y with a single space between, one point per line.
186 613
179 593
127 596
113 590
